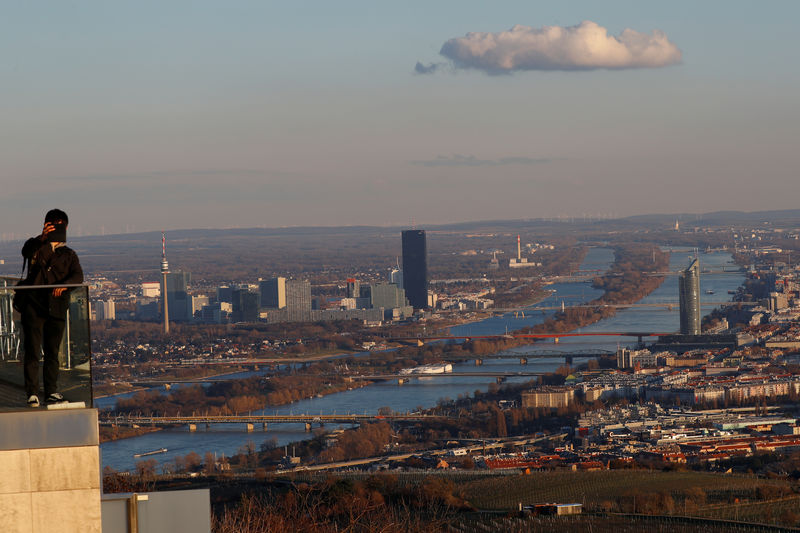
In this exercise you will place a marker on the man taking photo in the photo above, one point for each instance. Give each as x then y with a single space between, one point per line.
44 311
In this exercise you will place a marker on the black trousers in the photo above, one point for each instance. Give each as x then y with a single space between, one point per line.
41 334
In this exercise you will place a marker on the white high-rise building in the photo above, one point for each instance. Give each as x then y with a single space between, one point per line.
298 300
105 310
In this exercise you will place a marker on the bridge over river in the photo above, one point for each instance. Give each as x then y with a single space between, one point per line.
251 420
401 378
421 340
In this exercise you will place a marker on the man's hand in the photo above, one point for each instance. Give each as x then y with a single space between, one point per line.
48 228
59 291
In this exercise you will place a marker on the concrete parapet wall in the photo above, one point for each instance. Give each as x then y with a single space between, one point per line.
50 465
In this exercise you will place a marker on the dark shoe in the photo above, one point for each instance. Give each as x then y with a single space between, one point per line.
33 401
56 397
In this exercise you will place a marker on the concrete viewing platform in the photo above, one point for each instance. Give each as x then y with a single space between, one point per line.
74 384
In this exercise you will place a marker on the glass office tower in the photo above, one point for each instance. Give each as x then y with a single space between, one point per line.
689 297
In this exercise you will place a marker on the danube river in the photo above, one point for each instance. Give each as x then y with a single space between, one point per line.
229 438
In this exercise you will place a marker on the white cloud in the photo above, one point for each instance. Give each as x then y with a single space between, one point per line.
586 46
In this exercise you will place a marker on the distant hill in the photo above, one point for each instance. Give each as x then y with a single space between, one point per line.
784 216
247 253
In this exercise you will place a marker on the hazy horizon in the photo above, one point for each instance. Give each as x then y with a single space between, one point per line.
184 115
684 219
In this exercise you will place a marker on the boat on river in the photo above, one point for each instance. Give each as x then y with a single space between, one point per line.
154 452
441 368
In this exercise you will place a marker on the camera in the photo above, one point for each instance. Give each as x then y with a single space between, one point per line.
59 234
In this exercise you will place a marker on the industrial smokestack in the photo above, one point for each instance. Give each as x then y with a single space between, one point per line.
519 251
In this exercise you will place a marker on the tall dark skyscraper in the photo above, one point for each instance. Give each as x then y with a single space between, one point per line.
689 297
415 268
273 293
245 305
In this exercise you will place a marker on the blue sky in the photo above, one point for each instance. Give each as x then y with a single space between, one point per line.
149 115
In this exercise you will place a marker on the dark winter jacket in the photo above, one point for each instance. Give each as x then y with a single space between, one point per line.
49 267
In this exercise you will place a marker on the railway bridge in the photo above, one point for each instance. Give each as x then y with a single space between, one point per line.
250 420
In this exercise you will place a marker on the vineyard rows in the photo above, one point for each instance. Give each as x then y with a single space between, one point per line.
606 524
783 511
596 487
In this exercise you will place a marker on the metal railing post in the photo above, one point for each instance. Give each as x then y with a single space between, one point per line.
66 336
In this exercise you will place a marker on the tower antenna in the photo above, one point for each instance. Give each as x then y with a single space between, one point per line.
164 272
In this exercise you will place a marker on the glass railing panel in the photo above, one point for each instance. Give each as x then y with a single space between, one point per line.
74 378
9 327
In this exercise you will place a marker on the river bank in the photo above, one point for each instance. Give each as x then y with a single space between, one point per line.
626 282
112 433
418 393
228 438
